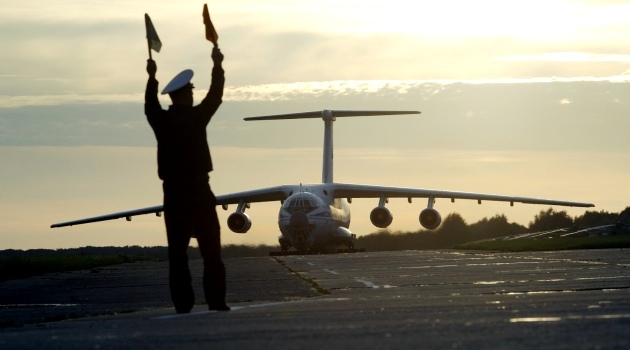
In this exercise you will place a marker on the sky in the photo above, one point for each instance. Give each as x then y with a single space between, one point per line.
524 98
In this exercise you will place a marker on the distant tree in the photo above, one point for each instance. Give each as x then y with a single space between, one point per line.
453 223
383 240
550 220
241 250
497 226
624 216
594 218
376 241
454 230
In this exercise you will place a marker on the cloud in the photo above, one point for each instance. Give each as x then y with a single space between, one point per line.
300 90
512 114
64 99
77 49
570 57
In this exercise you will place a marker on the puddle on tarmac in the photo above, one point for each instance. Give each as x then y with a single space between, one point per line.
568 318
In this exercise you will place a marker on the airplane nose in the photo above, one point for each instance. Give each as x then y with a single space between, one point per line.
298 221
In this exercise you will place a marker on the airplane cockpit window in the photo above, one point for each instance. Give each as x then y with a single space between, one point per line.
304 205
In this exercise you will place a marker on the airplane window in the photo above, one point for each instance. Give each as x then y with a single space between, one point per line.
301 204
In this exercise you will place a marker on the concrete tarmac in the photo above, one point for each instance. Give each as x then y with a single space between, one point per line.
443 299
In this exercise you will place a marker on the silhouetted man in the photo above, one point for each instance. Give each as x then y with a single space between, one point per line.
183 164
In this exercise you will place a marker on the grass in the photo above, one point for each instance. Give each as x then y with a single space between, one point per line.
24 267
559 243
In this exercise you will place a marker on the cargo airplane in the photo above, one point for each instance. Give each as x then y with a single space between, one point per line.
316 217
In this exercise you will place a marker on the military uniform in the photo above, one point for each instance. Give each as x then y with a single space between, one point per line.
189 205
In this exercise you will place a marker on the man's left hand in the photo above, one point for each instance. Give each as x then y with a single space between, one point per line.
217 56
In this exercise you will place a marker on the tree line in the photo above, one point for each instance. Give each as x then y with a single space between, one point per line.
455 231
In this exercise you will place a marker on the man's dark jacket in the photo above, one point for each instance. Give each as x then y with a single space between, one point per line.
183 152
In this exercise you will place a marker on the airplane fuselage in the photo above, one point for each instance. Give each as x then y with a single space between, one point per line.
312 219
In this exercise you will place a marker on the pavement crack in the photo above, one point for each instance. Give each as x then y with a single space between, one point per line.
309 281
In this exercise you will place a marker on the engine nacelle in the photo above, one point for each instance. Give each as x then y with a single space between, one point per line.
430 218
381 217
239 222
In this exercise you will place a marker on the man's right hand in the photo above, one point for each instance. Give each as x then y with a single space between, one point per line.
151 68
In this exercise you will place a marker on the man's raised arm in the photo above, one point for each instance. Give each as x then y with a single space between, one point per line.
151 102
213 99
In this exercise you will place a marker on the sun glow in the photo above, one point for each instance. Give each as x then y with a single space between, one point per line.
538 19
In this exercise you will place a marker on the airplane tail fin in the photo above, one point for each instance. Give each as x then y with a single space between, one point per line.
329 116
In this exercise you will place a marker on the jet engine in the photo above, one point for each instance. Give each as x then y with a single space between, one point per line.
239 222
430 218
381 217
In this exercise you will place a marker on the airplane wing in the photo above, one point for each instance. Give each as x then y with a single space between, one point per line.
368 191
157 210
269 194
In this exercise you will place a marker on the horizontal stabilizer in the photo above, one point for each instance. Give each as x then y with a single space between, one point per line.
329 113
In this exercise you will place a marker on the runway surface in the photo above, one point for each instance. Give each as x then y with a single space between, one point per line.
391 300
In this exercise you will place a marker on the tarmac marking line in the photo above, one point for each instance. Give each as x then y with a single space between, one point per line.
233 308
572 317
367 283
237 308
